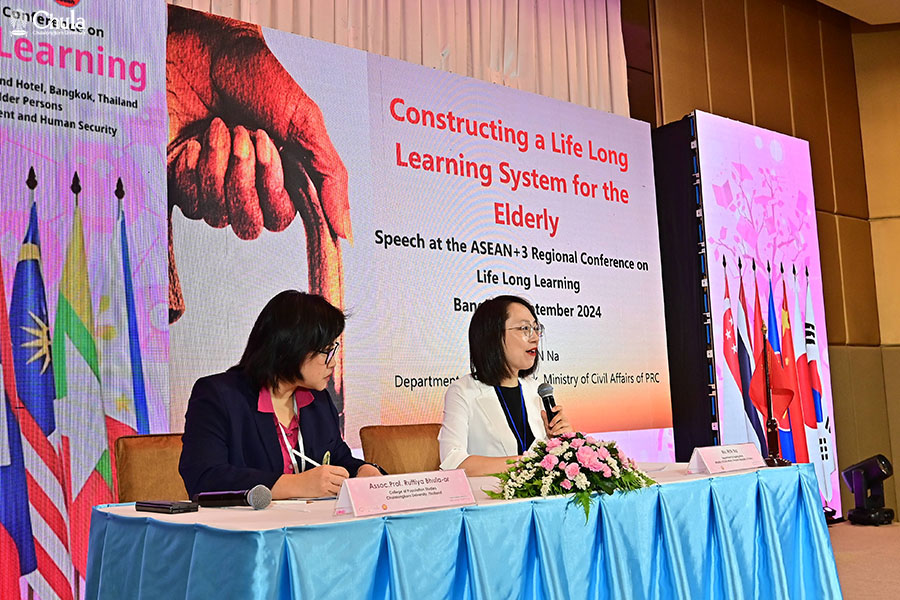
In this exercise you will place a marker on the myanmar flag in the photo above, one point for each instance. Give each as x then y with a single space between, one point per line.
79 401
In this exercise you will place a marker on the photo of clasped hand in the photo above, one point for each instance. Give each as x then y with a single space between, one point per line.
248 148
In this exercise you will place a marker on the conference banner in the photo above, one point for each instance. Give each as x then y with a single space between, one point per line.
406 196
765 282
84 328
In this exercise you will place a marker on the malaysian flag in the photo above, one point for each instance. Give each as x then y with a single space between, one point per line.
30 334
17 552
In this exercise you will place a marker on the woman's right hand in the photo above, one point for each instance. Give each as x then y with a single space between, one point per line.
315 483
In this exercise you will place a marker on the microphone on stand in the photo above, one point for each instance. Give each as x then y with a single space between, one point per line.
258 497
545 391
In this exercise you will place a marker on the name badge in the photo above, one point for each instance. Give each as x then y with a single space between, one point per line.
365 496
721 459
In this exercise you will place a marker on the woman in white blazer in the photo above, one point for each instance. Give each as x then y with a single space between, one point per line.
494 413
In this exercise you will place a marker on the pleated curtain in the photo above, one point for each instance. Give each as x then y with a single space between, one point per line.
570 50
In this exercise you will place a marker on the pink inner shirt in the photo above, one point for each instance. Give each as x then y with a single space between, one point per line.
292 431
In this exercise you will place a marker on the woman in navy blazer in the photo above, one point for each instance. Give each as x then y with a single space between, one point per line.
268 420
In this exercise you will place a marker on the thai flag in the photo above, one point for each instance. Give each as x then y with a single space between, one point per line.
731 429
822 452
17 553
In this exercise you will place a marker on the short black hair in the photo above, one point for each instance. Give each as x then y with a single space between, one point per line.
487 332
290 327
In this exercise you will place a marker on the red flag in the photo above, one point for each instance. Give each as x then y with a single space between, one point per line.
730 339
791 375
756 325
781 383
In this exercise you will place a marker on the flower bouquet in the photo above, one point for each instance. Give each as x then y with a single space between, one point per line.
571 463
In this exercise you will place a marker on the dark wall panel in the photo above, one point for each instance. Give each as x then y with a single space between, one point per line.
843 115
682 59
830 253
858 278
727 60
807 84
768 60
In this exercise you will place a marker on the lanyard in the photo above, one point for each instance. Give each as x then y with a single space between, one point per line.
287 444
511 420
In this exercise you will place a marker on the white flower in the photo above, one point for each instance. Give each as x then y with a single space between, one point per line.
546 482
581 481
559 450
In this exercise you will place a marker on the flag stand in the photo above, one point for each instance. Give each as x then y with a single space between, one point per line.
774 458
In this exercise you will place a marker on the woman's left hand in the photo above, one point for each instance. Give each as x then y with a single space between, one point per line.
367 470
559 424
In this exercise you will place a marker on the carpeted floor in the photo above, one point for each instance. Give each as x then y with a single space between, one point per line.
868 560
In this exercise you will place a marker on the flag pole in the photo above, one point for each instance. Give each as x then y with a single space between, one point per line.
119 193
774 458
76 186
31 183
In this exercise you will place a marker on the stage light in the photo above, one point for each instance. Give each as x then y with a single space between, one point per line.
866 480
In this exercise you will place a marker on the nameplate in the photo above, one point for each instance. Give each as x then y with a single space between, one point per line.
721 459
365 496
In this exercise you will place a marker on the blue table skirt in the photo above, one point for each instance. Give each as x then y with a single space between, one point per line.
754 535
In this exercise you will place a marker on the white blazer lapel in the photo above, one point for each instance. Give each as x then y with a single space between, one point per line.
495 420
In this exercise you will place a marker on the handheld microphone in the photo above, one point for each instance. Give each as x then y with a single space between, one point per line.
258 497
545 391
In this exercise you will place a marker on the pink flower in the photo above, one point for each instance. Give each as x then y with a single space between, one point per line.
572 470
602 453
549 462
567 485
585 455
622 458
567 435
594 465
561 465
592 440
577 443
605 470
553 443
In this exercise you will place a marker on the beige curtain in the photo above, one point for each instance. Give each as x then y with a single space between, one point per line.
566 49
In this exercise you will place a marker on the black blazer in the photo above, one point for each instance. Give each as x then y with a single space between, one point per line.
230 445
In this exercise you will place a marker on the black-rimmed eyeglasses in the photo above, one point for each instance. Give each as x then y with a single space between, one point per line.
330 351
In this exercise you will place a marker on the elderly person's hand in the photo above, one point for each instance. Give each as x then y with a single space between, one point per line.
247 146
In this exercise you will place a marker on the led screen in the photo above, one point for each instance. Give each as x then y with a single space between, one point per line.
759 210
458 190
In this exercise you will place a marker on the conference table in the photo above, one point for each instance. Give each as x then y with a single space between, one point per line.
751 534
